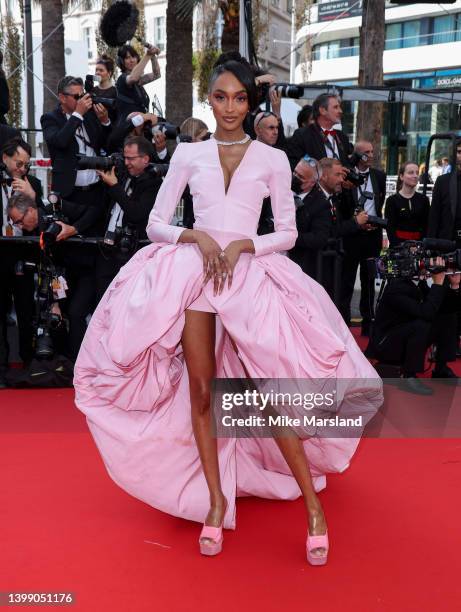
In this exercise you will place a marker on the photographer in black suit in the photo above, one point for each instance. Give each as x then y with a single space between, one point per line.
132 198
140 124
319 139
16 281
368 243
313 216
77 126
409 318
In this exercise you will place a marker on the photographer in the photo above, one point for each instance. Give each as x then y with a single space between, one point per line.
333 176
76 126
17 282
368 243
139 124
14 176
132 199
313 216
131 94
409 318
105 88
319 139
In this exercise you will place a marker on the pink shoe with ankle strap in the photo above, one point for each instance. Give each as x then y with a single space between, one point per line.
215 546
313 543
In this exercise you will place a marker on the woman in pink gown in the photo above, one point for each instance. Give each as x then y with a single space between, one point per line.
216 301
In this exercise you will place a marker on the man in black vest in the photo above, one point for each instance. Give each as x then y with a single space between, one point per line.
313 216
362 245
319 139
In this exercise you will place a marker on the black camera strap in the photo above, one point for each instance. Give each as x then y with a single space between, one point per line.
80 134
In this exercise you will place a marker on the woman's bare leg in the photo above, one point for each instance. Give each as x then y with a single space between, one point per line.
198 344
293 452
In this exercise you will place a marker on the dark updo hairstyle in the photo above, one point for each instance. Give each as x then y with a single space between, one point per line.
107 62
237 65
123 52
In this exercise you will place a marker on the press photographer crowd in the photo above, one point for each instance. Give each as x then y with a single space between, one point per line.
109 154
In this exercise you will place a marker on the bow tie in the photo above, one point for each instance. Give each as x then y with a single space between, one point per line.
364 174
329 132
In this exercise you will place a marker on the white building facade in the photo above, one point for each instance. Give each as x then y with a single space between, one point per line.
423 49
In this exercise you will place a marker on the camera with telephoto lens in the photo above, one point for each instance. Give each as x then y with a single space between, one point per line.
102 163
285 90
162 126
53 213
89 86
415 259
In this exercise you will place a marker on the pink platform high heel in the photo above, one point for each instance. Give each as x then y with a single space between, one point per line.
314 542
215 546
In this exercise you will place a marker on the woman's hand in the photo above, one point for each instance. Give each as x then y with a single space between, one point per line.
215 263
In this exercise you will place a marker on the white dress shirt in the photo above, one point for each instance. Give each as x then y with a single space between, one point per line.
84 177
8 229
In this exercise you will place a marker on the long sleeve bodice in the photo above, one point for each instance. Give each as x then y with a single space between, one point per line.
263 171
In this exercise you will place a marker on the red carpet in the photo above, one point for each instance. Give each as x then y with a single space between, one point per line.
65 526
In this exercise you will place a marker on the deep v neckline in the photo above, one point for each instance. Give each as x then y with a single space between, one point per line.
226 191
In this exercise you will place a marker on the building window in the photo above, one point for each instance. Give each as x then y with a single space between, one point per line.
405 34
88 5
88 39
289 6
160 33
275 3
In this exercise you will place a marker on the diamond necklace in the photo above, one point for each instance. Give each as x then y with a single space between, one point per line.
226 143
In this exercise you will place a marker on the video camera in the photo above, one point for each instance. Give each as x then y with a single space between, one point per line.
89 86
414 259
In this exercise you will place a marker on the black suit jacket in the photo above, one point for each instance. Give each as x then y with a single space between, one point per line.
59 133
313 222
311 140
444 210
137 206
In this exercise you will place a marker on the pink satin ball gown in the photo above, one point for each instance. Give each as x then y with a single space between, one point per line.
130 377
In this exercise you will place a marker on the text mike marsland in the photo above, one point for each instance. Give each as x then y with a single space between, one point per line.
287 421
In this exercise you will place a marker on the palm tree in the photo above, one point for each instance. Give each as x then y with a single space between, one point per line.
178 95
54 67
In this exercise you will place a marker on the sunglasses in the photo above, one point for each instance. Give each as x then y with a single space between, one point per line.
264 116
74 96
